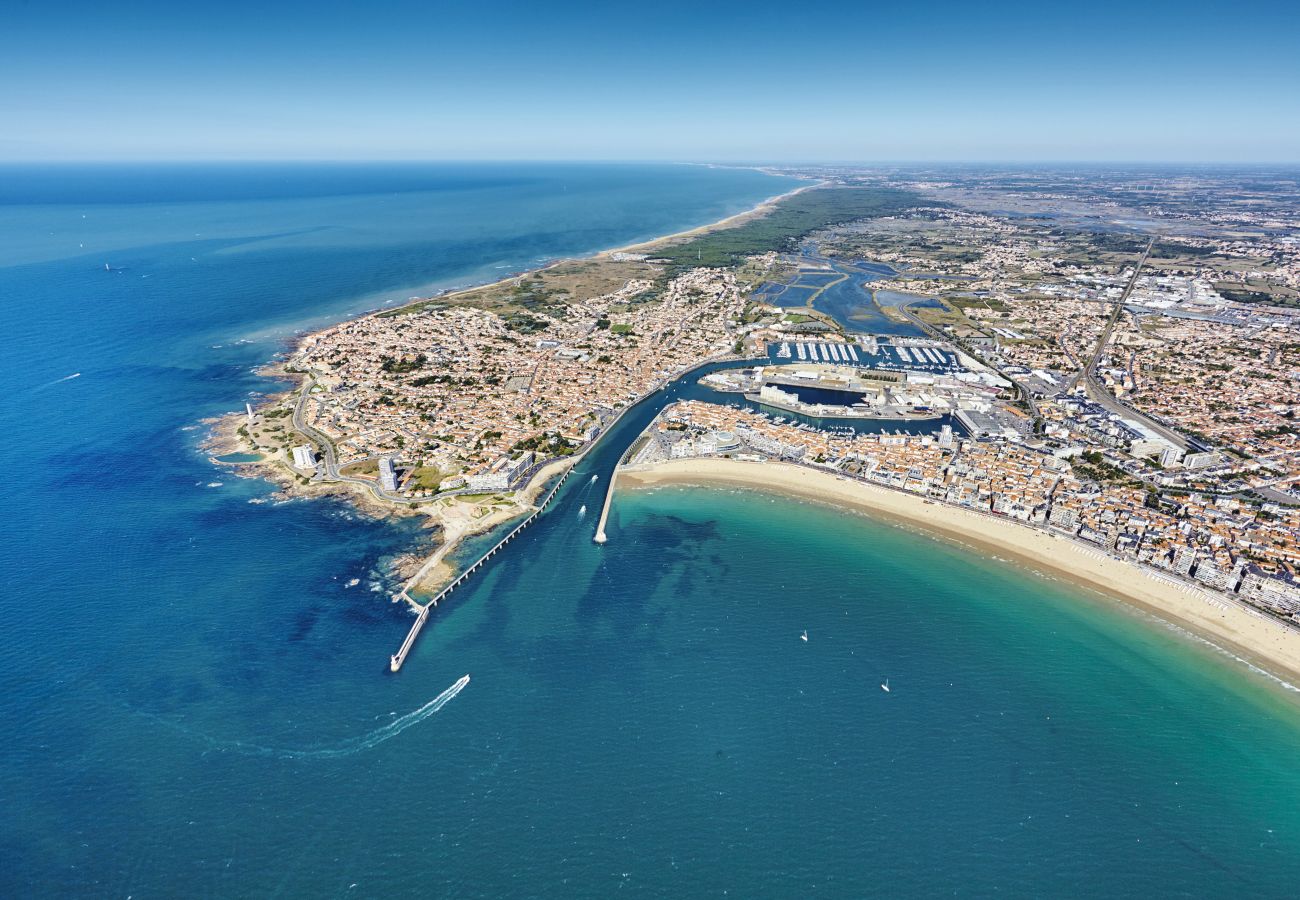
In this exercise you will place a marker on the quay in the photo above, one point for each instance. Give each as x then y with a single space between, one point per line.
600 536
397 659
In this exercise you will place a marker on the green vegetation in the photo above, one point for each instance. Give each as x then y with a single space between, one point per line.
485 438
546 445
402 366
366 467
524 323
1092 465
1257 291
426 380
794 218
425 478
545 291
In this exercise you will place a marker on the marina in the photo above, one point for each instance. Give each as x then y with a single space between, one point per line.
895 355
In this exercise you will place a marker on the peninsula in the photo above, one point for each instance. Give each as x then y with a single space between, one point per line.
459 408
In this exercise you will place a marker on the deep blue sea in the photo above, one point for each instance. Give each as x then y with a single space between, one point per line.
195 703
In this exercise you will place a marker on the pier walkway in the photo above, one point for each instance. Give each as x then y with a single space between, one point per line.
600 536
398 658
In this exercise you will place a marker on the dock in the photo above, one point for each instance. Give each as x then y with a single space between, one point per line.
600 536
397 659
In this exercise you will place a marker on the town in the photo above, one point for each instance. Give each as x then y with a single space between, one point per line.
1137 393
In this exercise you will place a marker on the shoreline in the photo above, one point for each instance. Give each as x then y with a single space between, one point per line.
433 570
1252 637
754 212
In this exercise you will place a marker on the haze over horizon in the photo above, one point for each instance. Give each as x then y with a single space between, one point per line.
827 82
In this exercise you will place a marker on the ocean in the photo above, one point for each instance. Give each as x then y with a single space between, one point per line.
195 690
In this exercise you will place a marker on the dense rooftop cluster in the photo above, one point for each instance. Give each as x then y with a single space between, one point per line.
457 387
1237 385
1221 542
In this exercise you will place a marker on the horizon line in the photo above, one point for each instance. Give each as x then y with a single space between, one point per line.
735 164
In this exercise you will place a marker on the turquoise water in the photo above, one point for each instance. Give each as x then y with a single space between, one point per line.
196 702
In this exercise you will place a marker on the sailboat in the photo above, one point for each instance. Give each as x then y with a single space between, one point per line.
804 636
885 687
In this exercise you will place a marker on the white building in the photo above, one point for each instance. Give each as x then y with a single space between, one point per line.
502 475
387 474
1200 460
304 457
1171 456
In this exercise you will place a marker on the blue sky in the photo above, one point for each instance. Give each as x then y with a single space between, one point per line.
736 82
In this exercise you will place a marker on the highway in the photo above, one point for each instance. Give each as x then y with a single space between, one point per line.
1089 370
1097 391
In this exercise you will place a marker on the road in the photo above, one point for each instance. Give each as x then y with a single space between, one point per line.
1090 370
905 309
1097 391
327 449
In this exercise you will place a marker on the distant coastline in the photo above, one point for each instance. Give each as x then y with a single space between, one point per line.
758 210
755 212
1268 644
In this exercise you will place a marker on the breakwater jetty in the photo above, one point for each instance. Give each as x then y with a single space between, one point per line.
398 658
600 536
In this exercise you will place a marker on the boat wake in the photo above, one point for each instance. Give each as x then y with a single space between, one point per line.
41 387
349 747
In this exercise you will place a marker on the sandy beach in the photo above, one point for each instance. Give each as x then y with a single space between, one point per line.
740 218
1246 633
754 212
